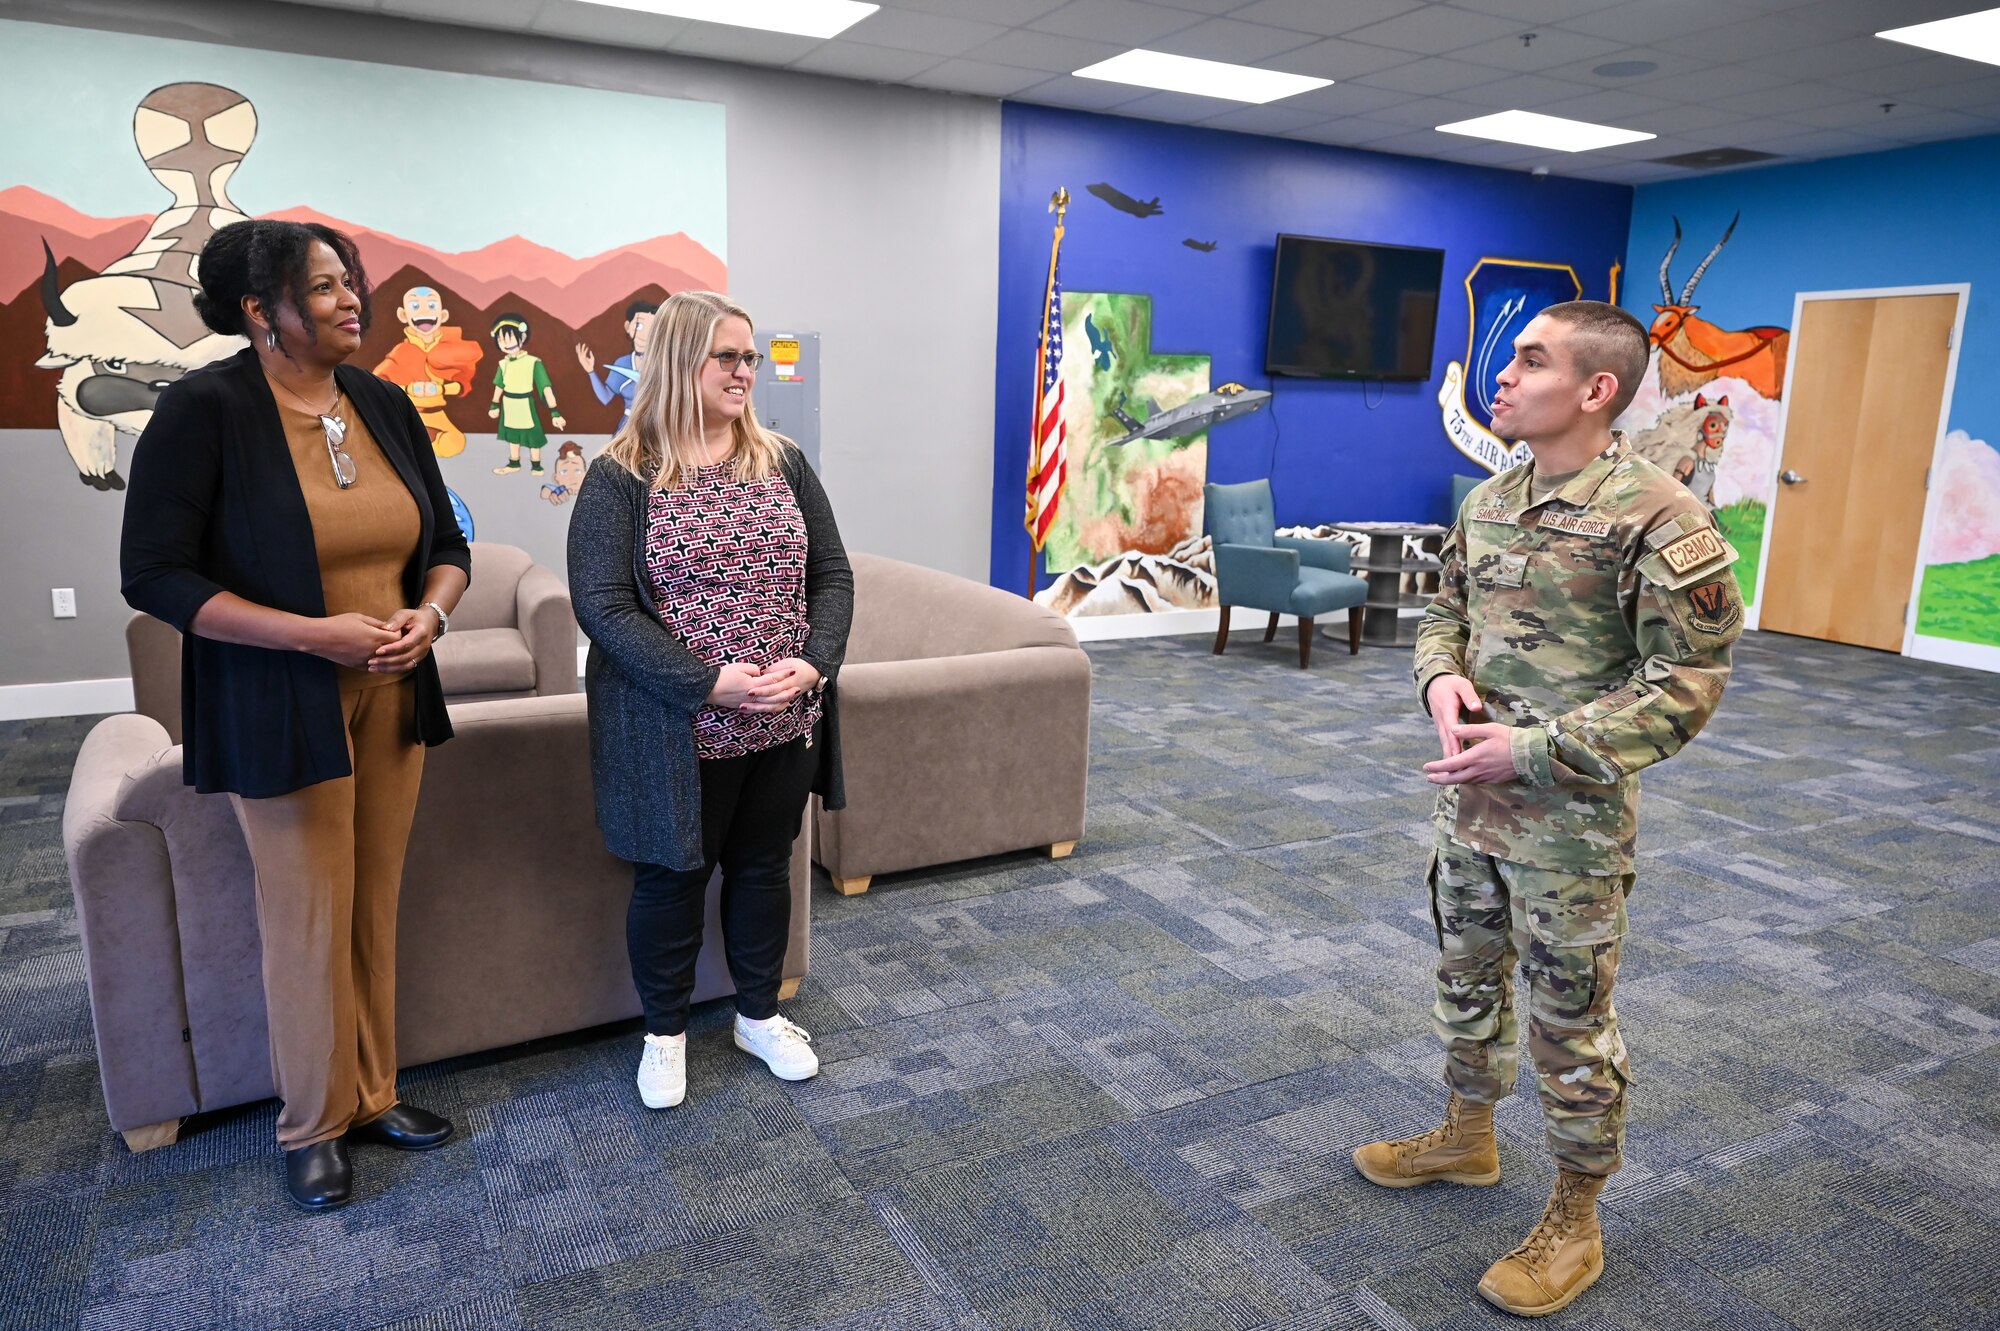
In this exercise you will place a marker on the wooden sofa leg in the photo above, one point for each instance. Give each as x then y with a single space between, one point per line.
1354 631
788 990
1305 641
1271 629
851 887
1222 632
152 1136
1060 850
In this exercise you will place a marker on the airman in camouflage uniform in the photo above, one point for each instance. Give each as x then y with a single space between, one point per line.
1592 616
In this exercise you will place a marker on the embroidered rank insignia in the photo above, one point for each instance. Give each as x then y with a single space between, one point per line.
1492 513
1576 523
1694 550
1714 611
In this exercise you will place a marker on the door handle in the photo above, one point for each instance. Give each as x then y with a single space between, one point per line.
1790 477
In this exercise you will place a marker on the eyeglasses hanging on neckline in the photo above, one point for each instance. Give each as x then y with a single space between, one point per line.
344 470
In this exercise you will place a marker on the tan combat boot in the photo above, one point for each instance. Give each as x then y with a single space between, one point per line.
1462 1151
1561 1257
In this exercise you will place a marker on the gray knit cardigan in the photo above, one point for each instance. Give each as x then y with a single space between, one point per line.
644 686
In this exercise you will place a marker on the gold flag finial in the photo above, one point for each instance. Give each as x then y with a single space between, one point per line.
1059 202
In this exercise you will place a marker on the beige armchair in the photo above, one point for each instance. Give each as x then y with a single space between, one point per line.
511 928
512 636
964 726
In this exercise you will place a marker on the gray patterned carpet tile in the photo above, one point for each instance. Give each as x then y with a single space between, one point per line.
1119 1091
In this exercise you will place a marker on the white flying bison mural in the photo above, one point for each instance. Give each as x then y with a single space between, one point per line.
125 334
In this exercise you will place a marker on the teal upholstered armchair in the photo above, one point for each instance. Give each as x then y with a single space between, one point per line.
1461 486
1286 575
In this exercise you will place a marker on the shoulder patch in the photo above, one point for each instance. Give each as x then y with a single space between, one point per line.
1575 523
1696 550
1712 608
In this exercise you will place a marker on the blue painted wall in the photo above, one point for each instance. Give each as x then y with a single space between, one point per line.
1912 217
1333 450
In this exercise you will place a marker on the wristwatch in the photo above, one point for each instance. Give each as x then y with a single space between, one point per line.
444 620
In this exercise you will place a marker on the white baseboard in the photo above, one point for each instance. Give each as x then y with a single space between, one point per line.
72 697
1949 651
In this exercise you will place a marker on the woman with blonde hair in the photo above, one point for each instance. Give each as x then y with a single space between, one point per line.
709 576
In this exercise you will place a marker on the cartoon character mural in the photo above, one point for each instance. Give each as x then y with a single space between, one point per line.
1693 351
570 470
1687 440
122 336
432 363
518 380
621 377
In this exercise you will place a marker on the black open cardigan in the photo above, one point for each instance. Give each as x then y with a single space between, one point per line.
215 505
644 686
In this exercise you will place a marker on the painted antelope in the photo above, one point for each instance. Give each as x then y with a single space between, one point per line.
1694 351
125 334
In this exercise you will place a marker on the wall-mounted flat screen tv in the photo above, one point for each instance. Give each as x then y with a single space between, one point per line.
1342 309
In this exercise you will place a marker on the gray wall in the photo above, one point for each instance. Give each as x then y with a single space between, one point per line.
864 213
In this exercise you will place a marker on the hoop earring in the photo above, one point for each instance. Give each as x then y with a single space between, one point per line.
271 338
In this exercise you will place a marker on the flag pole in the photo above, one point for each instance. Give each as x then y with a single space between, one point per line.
1059 205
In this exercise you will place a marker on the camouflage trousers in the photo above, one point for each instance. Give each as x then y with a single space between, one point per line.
1564 929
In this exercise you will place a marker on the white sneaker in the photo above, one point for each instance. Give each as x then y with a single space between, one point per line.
663 1071
785 1048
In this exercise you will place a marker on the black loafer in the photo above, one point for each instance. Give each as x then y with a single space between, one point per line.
405 1127
319 1177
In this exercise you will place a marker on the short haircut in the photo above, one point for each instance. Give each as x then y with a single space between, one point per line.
517 322
639 307
1606 339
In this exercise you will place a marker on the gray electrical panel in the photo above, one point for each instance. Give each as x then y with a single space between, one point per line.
787 393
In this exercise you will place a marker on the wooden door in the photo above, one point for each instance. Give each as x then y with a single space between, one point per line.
1867 388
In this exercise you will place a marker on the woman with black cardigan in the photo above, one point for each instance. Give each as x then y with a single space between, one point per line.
287 516
708 573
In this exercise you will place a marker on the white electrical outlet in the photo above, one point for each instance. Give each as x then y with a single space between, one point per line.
62 601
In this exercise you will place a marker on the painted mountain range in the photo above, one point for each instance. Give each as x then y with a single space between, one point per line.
572 290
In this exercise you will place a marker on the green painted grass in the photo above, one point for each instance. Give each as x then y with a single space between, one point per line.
1742 526
1962 601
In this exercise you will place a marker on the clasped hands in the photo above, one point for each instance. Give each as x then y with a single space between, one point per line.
379 646
1475 753
745 687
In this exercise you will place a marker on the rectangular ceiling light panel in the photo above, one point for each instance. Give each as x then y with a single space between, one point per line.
1203 78
1970 36
1539 131
802 18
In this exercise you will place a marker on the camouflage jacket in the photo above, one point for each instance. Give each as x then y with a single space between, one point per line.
1598 623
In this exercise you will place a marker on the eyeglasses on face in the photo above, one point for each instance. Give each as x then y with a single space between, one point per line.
729 360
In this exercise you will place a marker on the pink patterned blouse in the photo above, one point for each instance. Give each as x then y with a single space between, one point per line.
727 559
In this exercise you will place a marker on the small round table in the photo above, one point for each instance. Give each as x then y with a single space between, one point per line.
1384 567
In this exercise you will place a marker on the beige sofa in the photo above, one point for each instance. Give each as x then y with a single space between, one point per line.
964 726
513 636
512 921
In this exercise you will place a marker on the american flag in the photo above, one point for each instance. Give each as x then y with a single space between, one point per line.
1048 453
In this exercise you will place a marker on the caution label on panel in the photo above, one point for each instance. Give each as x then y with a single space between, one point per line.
785 357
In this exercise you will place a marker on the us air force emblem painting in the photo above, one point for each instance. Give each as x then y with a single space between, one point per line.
1501 296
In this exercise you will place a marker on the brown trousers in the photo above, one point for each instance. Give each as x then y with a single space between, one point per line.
329 862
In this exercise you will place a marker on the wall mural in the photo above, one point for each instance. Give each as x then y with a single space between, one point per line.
516 264
1709 411
1960 598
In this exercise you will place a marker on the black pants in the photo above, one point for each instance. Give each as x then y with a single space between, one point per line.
750 811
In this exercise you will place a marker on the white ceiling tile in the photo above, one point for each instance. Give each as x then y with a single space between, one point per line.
1523 92
1829 59
1125 22
1825 143
1710 84
1666 65
1867 17
1621 107
1422 143
1980 92
1080 94
979 78
908 30
1788 100
1768 35
1686 119
1322 17
853 60
1212 8
1228 39
1432 76
1346 99
1929 125
1551 47
1179 107
1474 153
719 41
1043 50
1536 11
1913 76
1650 23
1626 173
1352 131
598 23
512 14
1338 58
1861 112
1428 112
1435 30
1276 118
1011 13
